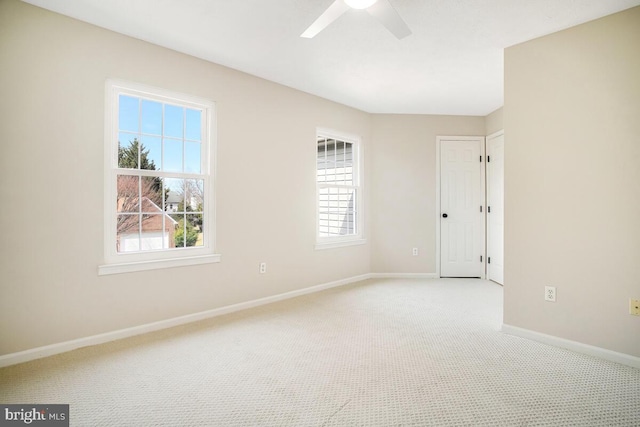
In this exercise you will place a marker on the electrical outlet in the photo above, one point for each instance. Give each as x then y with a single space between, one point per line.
263 267
634 306
550 293
415 252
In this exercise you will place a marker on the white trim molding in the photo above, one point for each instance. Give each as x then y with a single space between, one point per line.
53 349
403 275
156 264
589 350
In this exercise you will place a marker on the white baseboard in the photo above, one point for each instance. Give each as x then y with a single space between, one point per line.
53 349
602 353
403 276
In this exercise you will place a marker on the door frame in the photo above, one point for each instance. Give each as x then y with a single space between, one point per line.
487 228
482 141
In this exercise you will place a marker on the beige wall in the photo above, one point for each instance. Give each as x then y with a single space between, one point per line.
403 187
572 124
52 83
572 183
494 121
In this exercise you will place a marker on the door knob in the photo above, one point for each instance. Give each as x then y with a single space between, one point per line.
444 215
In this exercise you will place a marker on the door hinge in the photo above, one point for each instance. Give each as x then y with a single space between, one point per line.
480 258
488 209
489 260
480 208
480 159
488 159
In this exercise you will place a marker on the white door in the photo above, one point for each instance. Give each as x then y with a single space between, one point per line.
461 207
495 207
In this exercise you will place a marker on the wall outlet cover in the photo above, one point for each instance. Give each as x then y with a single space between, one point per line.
550 293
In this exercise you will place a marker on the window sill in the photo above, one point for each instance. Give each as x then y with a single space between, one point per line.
156 264
340 244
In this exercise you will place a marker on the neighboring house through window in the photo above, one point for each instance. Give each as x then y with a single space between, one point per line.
159 187
339 193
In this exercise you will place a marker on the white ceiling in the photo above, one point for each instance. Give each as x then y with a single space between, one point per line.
451 64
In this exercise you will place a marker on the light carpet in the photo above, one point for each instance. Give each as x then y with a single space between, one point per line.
376 353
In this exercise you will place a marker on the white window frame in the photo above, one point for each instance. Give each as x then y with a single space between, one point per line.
115 262
323 242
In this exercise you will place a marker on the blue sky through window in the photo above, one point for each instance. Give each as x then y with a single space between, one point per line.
128 113
171 134
172 155
151 117
194 118
173 121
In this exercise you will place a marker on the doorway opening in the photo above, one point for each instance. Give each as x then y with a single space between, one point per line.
469 183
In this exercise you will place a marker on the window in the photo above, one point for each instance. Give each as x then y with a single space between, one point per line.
159 186
339 196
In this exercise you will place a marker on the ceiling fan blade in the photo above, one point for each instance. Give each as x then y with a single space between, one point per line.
384 12
332 13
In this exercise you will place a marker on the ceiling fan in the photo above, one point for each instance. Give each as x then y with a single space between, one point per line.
379 9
